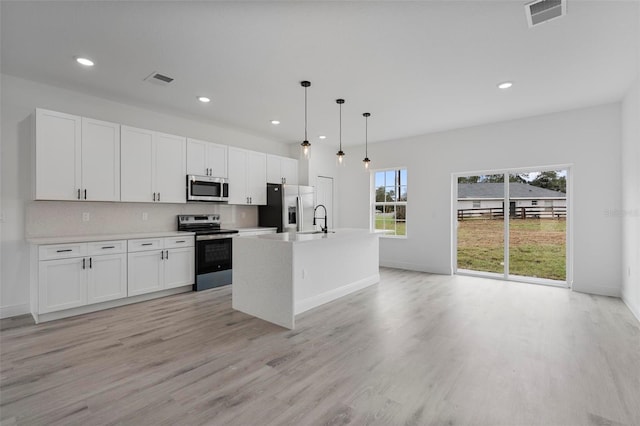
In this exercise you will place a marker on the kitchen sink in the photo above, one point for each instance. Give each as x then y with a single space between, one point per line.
314 232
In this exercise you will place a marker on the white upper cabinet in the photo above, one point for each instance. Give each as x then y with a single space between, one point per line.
247 177
282 170
100 160
206 158
76 158
153 166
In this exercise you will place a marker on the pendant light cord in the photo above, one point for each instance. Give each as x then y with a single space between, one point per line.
305 113
340 127
366 137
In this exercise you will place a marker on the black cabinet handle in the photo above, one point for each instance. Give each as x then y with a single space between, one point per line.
161 254
147 244
90 263
78 193
85 194
158 196
154 196
167 256
181 241
63 251
83 263
108 247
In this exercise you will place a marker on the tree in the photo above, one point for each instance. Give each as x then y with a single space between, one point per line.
550 180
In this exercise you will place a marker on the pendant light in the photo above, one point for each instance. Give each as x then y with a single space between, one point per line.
366 160
306 146
340 152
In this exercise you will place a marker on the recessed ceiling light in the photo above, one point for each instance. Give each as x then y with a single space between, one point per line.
84 61
204 99
275 122
322 137
505 85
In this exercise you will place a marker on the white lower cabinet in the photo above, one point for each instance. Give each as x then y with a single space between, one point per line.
78 274
63 284
152 270
73 275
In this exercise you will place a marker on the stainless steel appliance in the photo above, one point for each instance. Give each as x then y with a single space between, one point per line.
289 208
207 188
213 249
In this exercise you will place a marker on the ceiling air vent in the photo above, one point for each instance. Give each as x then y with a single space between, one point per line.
542 11
158 78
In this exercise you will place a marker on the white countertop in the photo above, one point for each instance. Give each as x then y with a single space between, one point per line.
336 234
256 228
106 237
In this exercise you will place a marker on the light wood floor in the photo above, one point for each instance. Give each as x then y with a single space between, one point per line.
416 349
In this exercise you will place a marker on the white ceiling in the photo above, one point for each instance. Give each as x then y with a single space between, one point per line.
418 67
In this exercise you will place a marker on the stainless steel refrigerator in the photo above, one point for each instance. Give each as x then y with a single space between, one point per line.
289 208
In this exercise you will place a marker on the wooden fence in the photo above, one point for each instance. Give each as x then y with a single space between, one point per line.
530 212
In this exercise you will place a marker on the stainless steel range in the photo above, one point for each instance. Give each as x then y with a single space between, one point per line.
213 249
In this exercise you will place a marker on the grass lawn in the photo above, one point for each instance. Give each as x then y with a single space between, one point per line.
537 247
388 222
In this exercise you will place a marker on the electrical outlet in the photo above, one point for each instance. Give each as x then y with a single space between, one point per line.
86 216
145 216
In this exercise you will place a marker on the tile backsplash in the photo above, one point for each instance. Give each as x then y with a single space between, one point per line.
63 218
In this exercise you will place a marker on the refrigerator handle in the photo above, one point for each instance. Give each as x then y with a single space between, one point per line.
299 216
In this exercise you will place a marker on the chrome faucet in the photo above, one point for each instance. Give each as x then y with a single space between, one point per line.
325 229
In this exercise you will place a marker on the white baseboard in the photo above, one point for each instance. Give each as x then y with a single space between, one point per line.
413 267
321 299
598 290
14 310
635 310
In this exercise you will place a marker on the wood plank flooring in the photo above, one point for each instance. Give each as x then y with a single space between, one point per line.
417 349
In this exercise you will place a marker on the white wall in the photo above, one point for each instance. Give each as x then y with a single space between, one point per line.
631 199
589 139
19 99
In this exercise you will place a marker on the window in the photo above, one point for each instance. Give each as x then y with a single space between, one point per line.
390 201
534 202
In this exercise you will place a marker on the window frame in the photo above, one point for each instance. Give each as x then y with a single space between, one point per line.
373 204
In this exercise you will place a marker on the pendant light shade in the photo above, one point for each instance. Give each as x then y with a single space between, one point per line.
366 160
340 152
306 146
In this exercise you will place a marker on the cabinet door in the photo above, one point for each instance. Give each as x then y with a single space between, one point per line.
57 155
274 165
62 284
257 177
179 267
289 170
107 278
197 160
100 160
217 159
238 176
145 273
170 168
136 164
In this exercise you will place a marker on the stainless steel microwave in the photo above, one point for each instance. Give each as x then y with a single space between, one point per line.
207 188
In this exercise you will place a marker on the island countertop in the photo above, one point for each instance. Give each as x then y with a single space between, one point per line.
334 234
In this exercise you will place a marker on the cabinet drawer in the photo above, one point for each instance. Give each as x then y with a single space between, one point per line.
106 247
62 251
173 242
145 244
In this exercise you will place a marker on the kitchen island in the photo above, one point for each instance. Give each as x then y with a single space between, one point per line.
278 276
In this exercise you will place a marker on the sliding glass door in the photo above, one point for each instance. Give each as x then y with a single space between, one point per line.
513 225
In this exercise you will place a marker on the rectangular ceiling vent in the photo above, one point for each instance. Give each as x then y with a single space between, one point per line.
541 11
158 78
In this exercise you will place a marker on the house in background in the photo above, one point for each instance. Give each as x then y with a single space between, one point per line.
526 201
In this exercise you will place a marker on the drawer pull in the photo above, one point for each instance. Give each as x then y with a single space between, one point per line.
147 244
108 247
181 241
63 251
